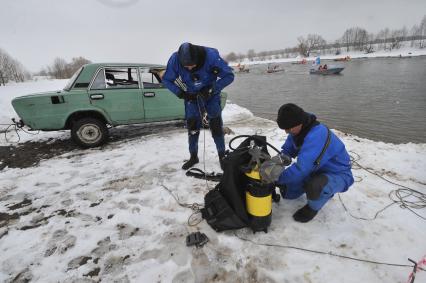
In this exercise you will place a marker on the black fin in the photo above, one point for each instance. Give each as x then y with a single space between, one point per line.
200 174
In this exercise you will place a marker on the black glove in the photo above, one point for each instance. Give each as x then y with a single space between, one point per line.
206 92
181 95
186 95
190 96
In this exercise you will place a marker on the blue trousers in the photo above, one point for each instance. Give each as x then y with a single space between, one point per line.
193 111
336 184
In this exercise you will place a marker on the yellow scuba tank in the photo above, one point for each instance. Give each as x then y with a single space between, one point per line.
258 201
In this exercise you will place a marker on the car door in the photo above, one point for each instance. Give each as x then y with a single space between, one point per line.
159 103
116 90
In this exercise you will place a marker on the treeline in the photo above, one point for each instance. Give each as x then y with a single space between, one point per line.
61 69
353 39
11 69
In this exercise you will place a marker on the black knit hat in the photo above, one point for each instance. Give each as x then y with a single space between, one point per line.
190 54
290 115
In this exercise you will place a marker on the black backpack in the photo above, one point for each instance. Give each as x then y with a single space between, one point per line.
225 205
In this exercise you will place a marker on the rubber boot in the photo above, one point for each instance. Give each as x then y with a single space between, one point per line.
305 214
191 162
221 156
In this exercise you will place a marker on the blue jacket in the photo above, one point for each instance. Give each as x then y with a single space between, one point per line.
213 68
335 160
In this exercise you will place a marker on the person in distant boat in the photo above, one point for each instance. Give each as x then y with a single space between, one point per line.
204 74
320 67
322 168
241 68
317 61
325 67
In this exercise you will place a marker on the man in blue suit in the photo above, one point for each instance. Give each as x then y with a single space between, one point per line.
204 74
323 165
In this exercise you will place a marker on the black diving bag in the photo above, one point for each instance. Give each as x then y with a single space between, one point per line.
218 214
225 205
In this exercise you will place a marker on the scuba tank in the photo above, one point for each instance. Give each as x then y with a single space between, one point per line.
258 201
259 195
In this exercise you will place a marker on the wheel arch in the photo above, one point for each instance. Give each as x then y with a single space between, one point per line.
85 114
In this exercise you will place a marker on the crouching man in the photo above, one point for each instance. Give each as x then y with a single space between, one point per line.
322 168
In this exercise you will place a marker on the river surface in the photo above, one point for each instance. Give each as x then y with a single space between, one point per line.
382 99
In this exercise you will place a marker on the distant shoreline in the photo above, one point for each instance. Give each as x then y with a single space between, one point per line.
399 53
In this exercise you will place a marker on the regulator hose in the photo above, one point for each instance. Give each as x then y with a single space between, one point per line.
252 137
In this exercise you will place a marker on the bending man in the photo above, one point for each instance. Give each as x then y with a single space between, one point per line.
204 74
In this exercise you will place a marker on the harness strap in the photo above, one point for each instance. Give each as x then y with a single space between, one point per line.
327 143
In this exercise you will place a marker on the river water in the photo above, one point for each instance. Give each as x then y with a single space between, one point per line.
383 99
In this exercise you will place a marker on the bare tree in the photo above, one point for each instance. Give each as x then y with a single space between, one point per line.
59 68
231 57
397 36
361 39
382 37
315 42
422 31
43 72
303 46
76 63
355 37
369 48
347 39
11 69
251 54
414 32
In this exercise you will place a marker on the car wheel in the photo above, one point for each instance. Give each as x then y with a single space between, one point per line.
89 132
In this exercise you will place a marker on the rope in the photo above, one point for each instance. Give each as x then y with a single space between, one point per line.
17 126
330 253
204 139
195 207
416 267
399 196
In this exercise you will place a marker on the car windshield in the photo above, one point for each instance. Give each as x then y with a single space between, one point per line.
72 79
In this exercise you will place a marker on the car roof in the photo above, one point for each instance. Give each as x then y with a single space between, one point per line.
89 70
143 65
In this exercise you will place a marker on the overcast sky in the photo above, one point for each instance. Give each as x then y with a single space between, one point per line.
148 31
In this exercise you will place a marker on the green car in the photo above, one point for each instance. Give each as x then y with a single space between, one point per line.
99 96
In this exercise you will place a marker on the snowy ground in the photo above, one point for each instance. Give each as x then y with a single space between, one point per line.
103 214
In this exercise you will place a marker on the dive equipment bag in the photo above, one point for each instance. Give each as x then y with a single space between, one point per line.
225 207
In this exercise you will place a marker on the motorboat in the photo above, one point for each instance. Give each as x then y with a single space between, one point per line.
303 61
242 68
327 71
347 58
274 69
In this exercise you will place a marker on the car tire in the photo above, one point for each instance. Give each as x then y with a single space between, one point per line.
89 132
